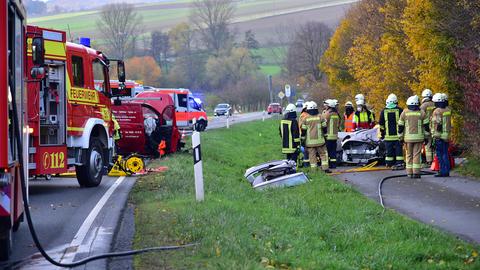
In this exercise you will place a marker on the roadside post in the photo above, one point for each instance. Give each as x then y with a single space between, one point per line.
263 116
198 166
228 121
288 91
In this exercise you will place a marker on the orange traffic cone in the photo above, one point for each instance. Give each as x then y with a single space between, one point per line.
435 164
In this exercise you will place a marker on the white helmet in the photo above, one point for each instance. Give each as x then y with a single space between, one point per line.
290 108
427 93
331 103
359 97
360 102
305 104
392 99
438 97
445 96
348 104
312 105
413 101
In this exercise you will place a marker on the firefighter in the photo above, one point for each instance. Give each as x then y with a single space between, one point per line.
116 128
441 129
313 129
303 115
363 118
413 125
332 118
428 106
389 132
348 117
289 132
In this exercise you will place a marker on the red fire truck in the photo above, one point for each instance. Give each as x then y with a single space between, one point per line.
13 102
69 109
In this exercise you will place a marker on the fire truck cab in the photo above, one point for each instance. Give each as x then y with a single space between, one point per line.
69 113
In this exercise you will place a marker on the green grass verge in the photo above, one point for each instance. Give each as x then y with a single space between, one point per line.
320 225
470 168
270 69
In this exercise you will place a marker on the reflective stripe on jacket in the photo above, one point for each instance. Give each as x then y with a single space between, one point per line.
389 123
363 120
313 126
414 123
290 136
428 107
442 123
332 118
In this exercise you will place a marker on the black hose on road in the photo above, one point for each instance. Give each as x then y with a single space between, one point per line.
32 228
380 184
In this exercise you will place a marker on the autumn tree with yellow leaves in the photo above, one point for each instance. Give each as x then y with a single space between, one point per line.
405 46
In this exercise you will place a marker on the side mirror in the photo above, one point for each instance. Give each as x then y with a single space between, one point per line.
38 51
121 71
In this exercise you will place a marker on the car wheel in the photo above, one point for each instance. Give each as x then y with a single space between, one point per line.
90 174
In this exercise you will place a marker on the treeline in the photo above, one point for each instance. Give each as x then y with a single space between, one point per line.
405 46
203 54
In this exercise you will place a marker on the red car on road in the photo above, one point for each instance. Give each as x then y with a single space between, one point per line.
274 108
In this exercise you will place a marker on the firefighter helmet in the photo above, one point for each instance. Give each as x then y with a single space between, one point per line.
438 97
331 103
290 108
427 93
360 102
359 97
348 104
312 105
392 99
413 101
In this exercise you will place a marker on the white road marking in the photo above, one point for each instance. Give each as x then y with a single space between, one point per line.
77 241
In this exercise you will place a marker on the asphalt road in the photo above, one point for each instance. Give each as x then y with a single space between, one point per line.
66 216
451 204
221 121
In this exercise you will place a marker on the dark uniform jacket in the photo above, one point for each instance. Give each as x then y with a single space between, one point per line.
389 123
290 133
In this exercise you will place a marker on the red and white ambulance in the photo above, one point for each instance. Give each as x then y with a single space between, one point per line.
189 113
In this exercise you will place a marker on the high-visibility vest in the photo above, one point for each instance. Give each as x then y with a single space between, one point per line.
349 126
363 120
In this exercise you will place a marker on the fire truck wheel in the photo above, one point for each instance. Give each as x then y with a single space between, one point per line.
5 244
90 174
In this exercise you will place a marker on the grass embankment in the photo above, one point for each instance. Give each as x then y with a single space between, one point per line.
320 225
471 167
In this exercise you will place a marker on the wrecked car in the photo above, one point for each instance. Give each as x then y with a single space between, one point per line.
275 174
360 147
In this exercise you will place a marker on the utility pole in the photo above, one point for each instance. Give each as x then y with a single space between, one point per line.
270 88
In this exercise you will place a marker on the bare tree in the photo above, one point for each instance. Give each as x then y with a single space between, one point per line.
120 24
212 18
280 42
306 51
160 48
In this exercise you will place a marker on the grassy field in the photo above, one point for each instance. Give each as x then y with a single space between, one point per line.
320 225
470 168
164 15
